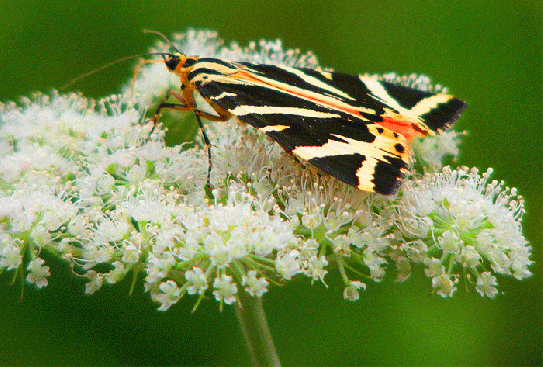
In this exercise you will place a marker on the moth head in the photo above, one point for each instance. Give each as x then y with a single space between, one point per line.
174 60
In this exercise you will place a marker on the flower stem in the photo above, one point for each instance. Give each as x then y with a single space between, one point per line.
255 329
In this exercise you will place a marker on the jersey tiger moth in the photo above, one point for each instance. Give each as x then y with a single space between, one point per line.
356 129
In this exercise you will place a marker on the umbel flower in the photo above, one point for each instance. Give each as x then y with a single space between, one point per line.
93 184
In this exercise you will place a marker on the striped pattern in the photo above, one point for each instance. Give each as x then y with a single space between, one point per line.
355 129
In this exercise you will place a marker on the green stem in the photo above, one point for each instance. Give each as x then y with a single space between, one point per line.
254 326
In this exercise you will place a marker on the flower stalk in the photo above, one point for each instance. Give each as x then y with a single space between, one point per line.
258 338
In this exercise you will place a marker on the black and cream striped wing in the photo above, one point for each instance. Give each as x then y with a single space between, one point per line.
356 131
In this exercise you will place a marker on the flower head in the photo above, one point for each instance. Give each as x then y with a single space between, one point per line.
466 223
94 184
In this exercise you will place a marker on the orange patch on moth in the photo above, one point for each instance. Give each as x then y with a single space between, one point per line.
407 129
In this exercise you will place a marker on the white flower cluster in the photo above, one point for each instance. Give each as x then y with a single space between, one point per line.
94 184
459 222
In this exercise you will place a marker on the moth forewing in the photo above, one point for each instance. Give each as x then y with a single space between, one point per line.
355 129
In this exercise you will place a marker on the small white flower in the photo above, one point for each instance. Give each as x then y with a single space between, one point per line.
470 257
113 228
342 245
486 285
79 227
189 249
158 265
374 263
519 267
253 285
218 251
311 220
197 279
444 285
95 282
449 242
169 295
434 267
131 253
351 291
10 256
404 268
316 268
417 251
103 253
288 265
225 289
38 272
117 274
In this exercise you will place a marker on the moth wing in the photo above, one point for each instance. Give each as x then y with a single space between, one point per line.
348 149
354 129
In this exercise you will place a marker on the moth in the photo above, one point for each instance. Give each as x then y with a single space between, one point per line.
356 129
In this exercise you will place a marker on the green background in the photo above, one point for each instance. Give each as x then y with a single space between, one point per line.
488 53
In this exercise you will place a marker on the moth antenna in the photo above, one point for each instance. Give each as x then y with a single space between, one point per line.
170 44
75 80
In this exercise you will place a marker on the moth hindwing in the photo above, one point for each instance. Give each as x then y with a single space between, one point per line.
353 128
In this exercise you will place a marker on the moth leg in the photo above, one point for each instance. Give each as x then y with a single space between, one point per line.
211 117
207 143
183 106
220 116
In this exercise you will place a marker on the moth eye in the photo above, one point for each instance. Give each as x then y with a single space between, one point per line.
171 62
